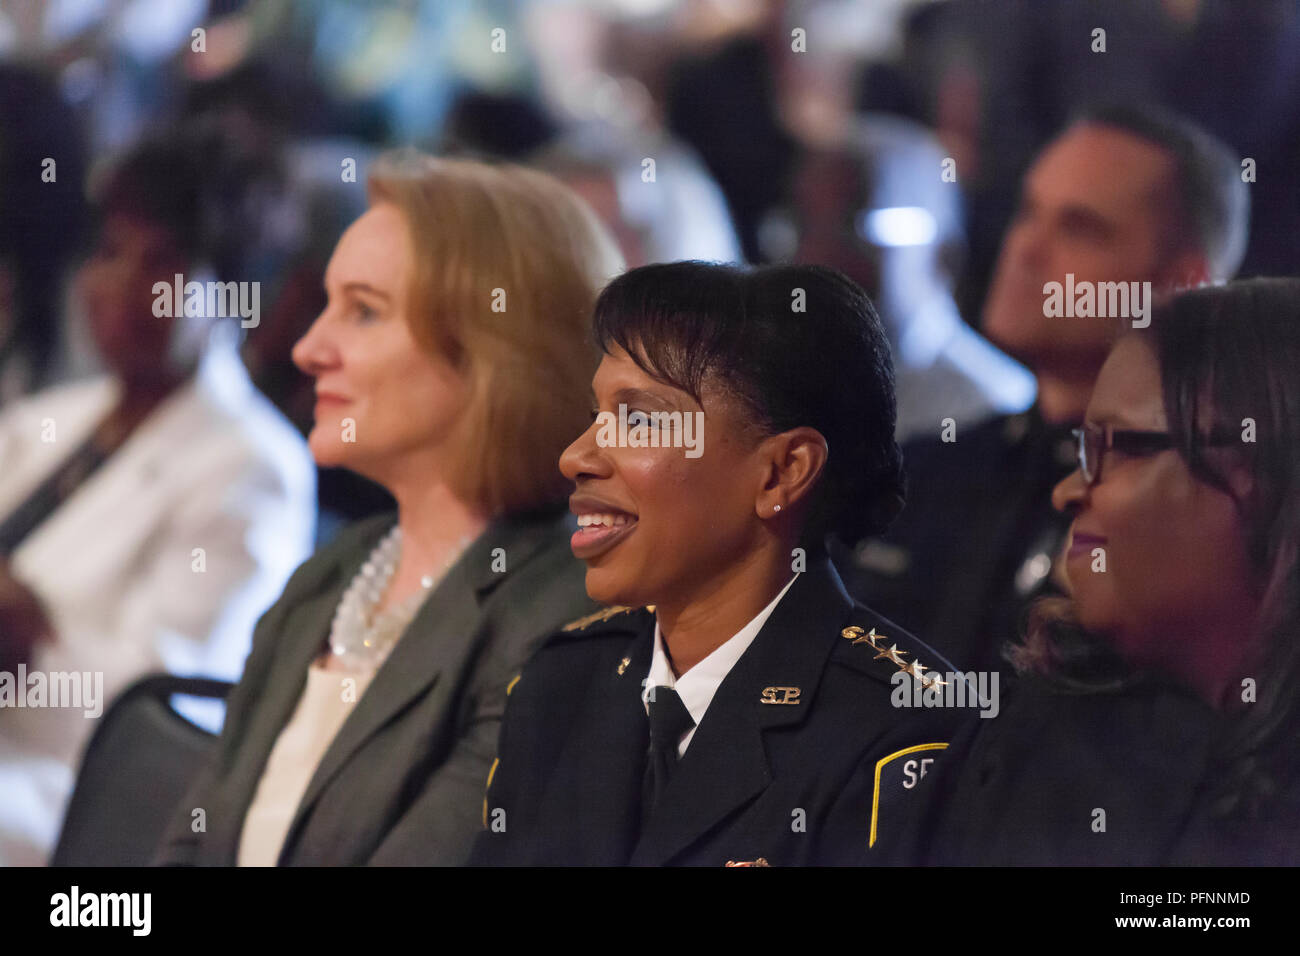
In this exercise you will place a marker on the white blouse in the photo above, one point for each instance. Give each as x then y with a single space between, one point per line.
326 701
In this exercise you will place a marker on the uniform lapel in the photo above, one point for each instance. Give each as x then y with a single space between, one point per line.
726 763
597 780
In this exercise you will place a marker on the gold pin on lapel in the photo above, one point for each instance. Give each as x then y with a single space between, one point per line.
622 665
858 636
780 695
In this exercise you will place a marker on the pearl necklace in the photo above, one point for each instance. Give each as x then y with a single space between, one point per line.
360 638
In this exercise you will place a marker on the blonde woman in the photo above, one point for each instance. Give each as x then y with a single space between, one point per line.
452 366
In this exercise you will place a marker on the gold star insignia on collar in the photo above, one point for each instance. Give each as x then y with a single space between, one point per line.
892 653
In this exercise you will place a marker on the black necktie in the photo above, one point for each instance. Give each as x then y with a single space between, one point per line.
669 719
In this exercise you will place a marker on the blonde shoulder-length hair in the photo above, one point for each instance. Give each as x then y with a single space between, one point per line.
508 264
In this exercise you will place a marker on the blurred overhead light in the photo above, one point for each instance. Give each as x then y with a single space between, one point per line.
639 8
897 226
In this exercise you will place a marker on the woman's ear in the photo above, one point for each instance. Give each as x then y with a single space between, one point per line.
795 460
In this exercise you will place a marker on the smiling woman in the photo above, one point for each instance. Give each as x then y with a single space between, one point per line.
700 339
451 366
726 709
1158 719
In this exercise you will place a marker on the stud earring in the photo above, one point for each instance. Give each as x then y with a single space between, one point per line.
775 508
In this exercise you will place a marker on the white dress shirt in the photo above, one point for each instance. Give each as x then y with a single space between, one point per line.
698 685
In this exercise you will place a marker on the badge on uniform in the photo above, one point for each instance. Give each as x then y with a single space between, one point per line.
780 695
896 774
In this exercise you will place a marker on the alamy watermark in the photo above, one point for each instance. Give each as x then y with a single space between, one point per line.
1102 300
241 300
53 689
651 430
130 910
951 689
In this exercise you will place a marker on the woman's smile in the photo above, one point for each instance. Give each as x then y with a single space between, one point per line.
600 527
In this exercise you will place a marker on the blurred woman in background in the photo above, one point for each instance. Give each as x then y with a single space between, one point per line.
452 365
1159 720
147 515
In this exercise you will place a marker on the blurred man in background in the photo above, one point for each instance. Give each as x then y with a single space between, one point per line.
1124 194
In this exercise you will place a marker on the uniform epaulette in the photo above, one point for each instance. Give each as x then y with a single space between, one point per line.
603 615
889 651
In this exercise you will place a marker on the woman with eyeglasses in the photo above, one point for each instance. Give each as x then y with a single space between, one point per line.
1157 719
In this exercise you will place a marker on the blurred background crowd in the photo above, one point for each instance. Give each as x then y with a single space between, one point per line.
722 94
234 137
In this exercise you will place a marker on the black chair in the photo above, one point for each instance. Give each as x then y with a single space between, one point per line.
136 769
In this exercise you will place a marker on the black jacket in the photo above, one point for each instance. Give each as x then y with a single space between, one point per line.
807 781
973 547
1063 778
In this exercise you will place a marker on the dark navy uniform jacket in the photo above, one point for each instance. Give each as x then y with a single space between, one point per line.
1121 778
1065 779
974 546
801 757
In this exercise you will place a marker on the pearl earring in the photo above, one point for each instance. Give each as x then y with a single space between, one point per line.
775 508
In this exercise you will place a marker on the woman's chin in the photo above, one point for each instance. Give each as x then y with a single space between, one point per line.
327 452
605 589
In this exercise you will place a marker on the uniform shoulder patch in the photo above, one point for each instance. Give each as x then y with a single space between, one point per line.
895 775
887 650
604 614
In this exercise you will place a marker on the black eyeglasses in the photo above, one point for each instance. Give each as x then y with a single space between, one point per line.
1091 442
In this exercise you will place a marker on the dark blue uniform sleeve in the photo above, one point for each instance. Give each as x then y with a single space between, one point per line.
877 818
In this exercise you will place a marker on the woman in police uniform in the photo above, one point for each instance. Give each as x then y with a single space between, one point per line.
733 706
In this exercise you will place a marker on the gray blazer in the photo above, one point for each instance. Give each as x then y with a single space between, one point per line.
403 781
